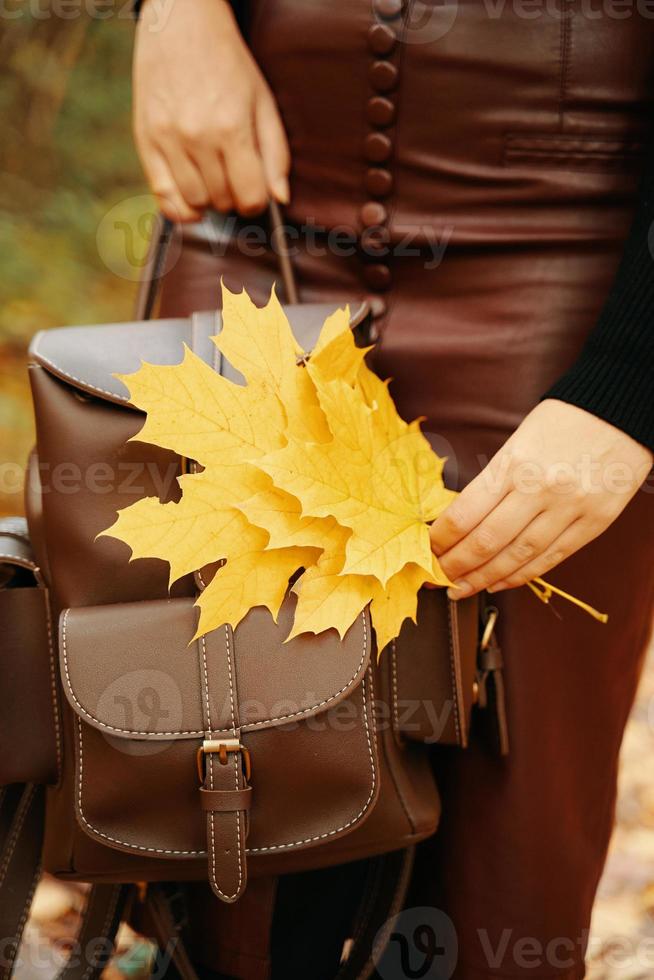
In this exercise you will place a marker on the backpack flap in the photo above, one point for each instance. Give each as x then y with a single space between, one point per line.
234 745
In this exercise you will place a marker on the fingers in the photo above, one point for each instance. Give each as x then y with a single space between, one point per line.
493 536
575 536
535 543
472 505
210 163
273 147
243 166
164 187
188 178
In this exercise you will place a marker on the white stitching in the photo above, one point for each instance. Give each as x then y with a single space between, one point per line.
354 820
203 647
20 817
249 850
18 935
80 381
396 718
23 562
53 684
211 785
100 833
102 724
246 728
451 614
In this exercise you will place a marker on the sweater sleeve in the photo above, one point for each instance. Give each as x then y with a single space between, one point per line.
613 376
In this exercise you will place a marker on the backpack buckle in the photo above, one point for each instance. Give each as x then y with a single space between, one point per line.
222 747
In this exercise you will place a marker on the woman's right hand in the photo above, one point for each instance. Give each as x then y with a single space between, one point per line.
206 124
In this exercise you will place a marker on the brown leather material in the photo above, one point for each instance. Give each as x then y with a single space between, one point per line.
22 811
90 364
28 672
331 781
514 255
234 940
114 656
218 801
21 828
226 827
433 695
97 654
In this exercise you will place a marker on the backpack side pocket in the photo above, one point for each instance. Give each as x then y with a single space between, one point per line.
29 719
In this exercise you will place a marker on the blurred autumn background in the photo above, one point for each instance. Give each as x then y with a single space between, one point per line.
73 234
67 159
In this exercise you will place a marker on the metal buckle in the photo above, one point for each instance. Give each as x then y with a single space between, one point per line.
223 746
493 613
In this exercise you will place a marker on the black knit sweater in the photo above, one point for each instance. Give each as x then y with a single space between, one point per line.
614 374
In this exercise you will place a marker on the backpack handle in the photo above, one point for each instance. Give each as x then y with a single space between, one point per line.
156 261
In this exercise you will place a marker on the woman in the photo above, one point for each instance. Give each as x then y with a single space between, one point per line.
472 169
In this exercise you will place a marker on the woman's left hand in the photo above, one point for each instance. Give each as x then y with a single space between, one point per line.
560 480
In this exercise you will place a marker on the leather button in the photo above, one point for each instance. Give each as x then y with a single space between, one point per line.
383 76
381 39
373 213
379 181
378 147
380 111
377 306
374 242
377 275
388 8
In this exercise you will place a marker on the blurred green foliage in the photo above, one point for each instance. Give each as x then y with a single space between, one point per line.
66 159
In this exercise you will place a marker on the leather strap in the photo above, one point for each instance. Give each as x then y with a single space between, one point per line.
21 822
162 234
96 940
245 931
234 940
160 920
226 801
22 810
280 247
490 682
221 759
148 291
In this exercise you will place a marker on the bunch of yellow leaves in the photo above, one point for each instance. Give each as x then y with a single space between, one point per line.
306 468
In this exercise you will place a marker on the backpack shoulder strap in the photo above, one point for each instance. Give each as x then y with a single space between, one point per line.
21 839
21 834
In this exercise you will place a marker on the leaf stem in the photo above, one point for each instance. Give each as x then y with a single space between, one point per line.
546 590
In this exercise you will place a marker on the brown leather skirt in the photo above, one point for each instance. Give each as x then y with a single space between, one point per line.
472 168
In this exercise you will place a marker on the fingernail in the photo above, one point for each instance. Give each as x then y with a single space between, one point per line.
498 587
459 590
281 190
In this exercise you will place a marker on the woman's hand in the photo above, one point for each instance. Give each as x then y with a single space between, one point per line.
559 481
206 125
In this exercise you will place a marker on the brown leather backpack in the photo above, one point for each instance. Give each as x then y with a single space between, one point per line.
236 755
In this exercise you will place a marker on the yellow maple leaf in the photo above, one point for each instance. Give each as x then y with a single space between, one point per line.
364 478
390 606
196 530
202 416
259 342
307 467
280 514
336 354
256 578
